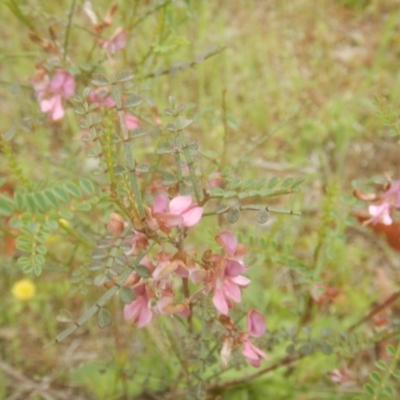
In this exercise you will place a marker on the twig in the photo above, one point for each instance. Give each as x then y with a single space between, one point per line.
286 361
46 393
376 310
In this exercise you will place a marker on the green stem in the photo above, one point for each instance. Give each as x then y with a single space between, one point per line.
388 372
189 162
67 33
128 152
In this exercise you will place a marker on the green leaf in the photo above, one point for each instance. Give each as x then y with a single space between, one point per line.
126 295
217 192
39 259
142 271
41 249
87 186
133 101
391 350
287 182
52 224
234 183
104 318
83 207
381 365
273 181
20 200
65 317
73 189
369 389
143 167
388 391
262 216
33 227
182 123
61 194
99 80
246 184
50 198
168 179
173 42
6 205
24 246
375 377
40 201
233 215
124 76
137 132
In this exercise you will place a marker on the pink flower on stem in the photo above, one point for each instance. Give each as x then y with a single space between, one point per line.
228 280
391 199
139 310
225 277
131 122
102 97
117 41
256 327
62 86
178 212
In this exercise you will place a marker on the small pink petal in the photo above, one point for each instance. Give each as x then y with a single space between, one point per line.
131 122
252 353
145 317
220 302
160 204
232 291
228 241
192 216
381 213
233 268
241 280
179 204
132 309
256 325
199 276
168 220
118 40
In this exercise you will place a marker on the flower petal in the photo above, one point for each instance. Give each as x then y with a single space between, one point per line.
228 241
192 216
220 302
179 204
256 325
160 204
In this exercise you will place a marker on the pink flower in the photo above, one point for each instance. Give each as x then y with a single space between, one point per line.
381 213
62 86
40 82
256 327
215 180
117 41
179 212
101 97
225 278
139 310
391 199
342 376
228 279
131 122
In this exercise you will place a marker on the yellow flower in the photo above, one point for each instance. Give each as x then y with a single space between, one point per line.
24 289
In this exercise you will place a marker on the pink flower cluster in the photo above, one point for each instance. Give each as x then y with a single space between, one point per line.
217 274
117 41
389 200
102 97
51 92
178 212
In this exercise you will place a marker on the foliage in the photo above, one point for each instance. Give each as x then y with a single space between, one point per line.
176 225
